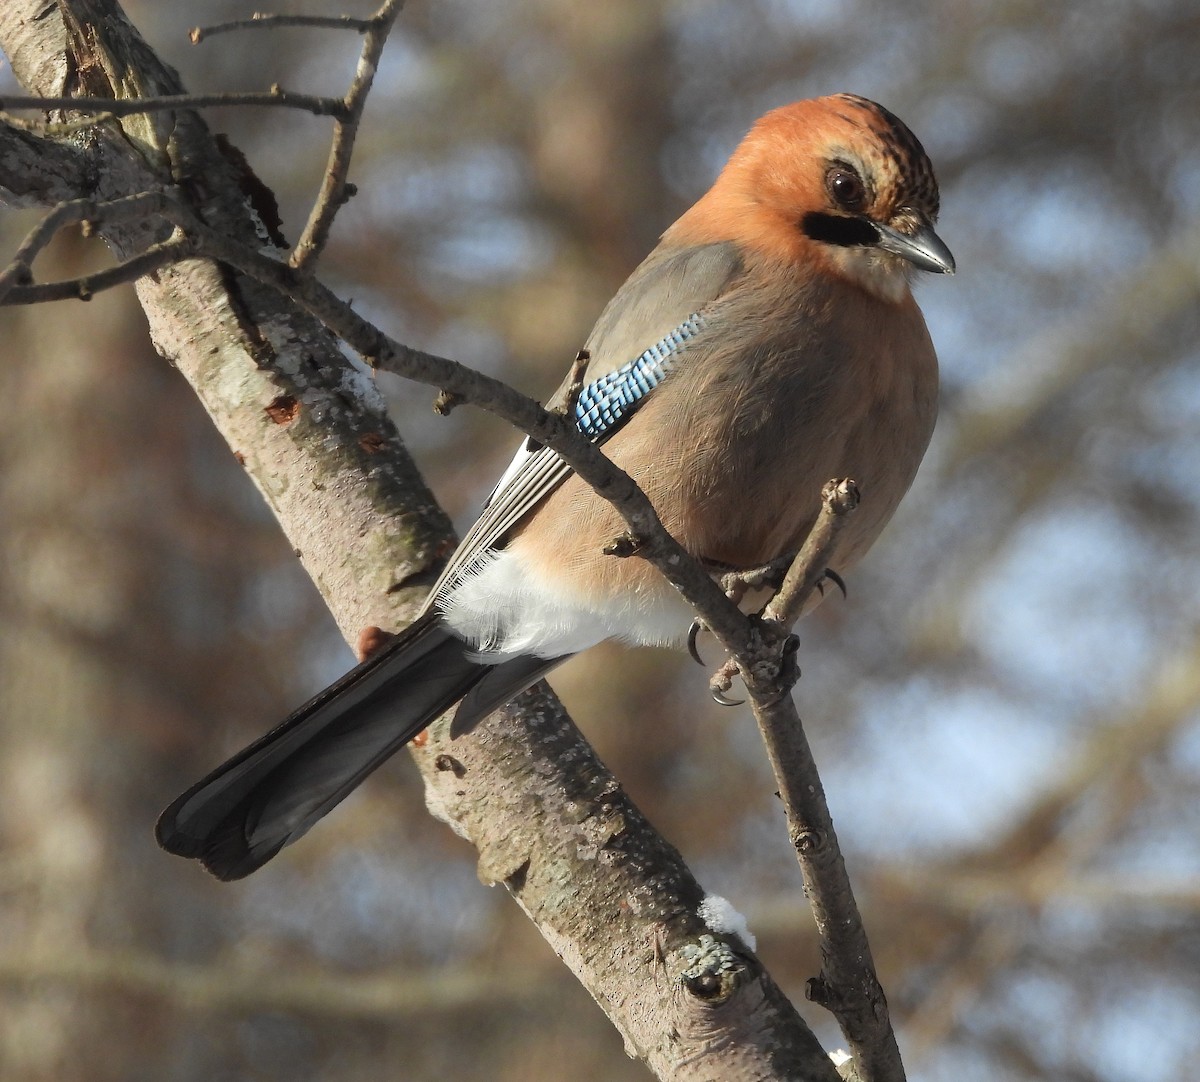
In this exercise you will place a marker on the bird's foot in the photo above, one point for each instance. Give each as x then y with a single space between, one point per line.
722 681
831 576
780 668
738 581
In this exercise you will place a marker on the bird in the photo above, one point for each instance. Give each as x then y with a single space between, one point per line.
768 343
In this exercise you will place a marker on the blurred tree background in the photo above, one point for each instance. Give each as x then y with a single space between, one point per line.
1006 708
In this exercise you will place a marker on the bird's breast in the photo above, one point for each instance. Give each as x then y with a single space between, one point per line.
733 450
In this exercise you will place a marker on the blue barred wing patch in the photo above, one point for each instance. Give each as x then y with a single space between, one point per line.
607 401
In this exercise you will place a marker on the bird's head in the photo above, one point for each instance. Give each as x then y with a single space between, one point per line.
838 182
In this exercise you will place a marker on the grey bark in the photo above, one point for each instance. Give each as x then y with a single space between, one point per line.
550 822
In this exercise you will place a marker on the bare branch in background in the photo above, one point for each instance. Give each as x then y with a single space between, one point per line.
261 21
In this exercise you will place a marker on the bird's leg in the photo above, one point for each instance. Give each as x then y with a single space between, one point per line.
737 582
789 672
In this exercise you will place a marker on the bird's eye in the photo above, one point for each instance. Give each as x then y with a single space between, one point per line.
846 188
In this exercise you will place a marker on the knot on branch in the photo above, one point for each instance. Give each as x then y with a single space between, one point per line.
450 764
809 842
841 495
711 969
827 993
628 544
445 402
818 990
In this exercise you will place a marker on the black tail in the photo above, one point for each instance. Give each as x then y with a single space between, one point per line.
268 795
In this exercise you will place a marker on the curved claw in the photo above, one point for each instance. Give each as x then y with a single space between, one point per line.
693 634
720 698
836 579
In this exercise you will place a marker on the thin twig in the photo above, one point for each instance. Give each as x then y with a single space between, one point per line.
334 189
84 288
261 21
575 383
838 498
18 273
118 107
847 985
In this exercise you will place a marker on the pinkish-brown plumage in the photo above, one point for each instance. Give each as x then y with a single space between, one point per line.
769 343
820 367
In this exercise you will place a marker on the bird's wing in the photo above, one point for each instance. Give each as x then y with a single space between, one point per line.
643 332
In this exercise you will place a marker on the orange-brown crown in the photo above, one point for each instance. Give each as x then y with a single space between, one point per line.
816 176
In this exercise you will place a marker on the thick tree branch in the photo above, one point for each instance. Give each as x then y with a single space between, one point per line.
36 171
334 472
848 985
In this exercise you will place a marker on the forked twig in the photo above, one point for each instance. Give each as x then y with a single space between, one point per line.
334 190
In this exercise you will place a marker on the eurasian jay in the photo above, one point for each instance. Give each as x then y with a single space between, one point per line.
769 343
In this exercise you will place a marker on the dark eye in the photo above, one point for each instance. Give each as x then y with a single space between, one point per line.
846 188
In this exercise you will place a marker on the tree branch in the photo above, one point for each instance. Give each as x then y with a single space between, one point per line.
334 189
715 969
35 171
698 1004
15 279
87 286
101 109
260 21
